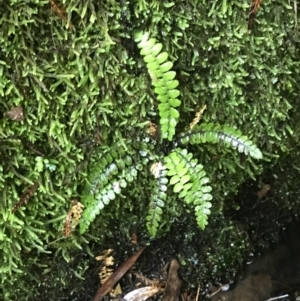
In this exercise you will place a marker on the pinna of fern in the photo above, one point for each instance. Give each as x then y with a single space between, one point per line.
108 176
190 182
226 135
158 198
163 82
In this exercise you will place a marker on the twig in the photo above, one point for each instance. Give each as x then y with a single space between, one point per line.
214 293
221 288
117 275
279 297
26 196
198 291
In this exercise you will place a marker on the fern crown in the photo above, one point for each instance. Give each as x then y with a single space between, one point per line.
178 168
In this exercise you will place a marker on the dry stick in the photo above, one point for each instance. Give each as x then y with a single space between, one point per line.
32 148
198 291
26 196
117 275
279 297
214 293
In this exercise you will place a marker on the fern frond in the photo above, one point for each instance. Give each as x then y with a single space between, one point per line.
113 171
215 133
106 180
190 181
98 198
158 198
163 81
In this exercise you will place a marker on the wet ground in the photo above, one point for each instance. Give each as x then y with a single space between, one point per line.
213 256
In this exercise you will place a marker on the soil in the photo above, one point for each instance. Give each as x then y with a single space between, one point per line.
205 257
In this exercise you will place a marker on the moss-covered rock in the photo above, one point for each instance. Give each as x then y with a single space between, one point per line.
73 85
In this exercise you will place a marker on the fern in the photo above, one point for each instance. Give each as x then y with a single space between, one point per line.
188 177
215 133
112 173
190 182
163 81
106 180
157 200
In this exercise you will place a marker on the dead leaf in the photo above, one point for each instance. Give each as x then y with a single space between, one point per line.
15 114
142 293
116 291
254 6
197 117
152 128
117 275
106 253
263 191
106 271
134 238
26 196
61 12
173 287
72 218
145 280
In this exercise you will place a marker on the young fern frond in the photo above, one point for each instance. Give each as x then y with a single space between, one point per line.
215 133
158 199
190 182
163 82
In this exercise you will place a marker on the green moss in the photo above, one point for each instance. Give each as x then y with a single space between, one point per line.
84 91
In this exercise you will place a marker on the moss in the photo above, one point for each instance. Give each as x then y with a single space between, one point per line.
85 90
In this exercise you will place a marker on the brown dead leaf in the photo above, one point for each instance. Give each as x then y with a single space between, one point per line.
263 191
105 255
15 114
134 238
60 11
146 281
29 192
197 117
152 128
117 275
173 287
106 269
72 218
255 5
142 293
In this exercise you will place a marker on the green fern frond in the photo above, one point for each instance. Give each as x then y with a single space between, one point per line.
163 81
190 181
215 133
157 203
104 184
113 171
